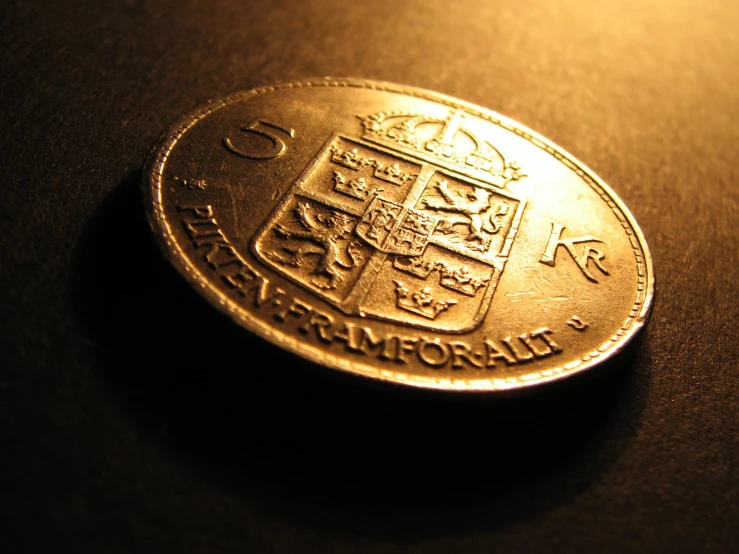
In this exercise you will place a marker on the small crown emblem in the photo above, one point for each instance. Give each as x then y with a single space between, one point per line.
392 174
461 280
348 158
420 302
355 161
444 139
415 266
358 188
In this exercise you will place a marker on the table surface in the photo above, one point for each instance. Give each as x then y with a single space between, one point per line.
135 418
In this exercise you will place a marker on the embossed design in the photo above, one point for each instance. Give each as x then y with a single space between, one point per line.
459 279
392 174
393 347
420 302
444 138
581 258
393 229
378 222
267 131
358 188
415 266
352 159
466 227
433 222
577 324
476 213
412 235
324 235
192 184
348 158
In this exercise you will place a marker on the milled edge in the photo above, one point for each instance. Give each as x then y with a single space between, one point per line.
154 169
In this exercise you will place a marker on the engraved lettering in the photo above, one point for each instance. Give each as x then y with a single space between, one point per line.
322 323
462 351
545 336
405 345
396 348
527 340
265 294
581 258
244 280
221 254
238 275
494 352
360 339
200 225
200 230
352 336
196 212
222 257
390 348
258 127
296 309
433 353
440 356
200 238
367 342
521 355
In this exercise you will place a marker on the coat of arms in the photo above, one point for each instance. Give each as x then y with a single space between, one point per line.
410 223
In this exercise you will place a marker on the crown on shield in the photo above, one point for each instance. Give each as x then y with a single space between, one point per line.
443 138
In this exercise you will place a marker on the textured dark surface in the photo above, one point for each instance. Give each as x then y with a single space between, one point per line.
135 419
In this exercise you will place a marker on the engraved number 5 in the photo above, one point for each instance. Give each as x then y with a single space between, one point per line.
278 146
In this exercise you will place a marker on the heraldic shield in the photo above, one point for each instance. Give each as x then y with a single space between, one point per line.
391 229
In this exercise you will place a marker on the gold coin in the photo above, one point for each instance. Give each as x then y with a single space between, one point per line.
399 234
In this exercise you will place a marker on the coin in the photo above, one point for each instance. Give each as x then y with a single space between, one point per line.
399 234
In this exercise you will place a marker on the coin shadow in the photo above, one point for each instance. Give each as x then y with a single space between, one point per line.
312 447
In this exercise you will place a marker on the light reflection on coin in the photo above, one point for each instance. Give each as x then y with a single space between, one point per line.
399 234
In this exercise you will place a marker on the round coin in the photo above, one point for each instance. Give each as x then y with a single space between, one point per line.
399 234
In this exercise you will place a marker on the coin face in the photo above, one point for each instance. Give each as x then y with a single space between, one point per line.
399 234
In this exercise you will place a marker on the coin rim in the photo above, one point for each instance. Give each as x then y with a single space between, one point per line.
152 185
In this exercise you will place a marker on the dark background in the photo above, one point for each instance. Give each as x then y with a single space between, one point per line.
134 418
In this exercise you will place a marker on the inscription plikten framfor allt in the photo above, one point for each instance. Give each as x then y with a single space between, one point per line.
399 234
